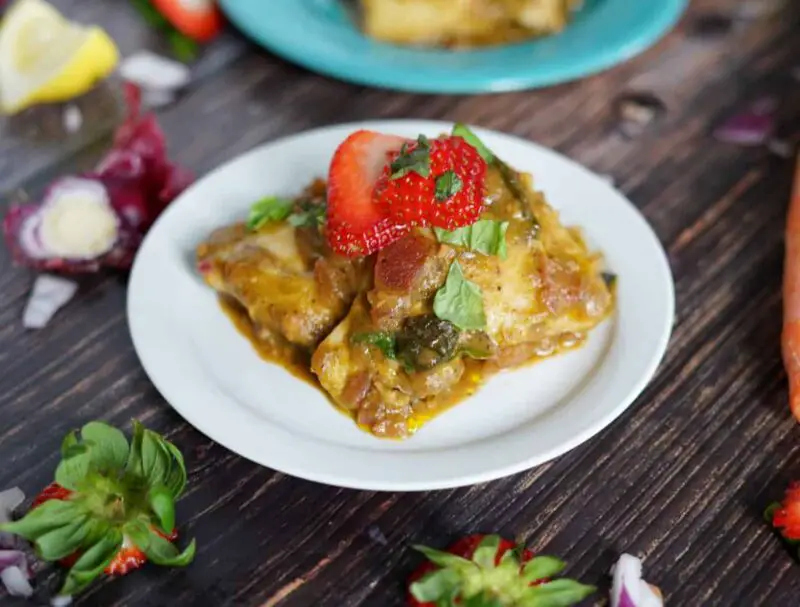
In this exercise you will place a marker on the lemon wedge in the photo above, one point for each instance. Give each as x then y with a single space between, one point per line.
45 58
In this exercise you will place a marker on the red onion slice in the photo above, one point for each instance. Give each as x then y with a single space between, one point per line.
15 573
753 126
628 589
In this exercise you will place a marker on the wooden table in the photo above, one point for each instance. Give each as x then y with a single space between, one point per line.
681 479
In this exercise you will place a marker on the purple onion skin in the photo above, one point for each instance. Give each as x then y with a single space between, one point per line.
625 599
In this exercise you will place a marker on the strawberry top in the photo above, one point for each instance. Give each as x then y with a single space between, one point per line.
381 186
108 497
489 571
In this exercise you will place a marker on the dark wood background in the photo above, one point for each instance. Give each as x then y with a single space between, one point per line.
681 479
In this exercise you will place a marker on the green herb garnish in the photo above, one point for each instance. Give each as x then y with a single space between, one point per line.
118 490
268 209
460 301
384 341
310 216
448 184
485 236
417 160
609 278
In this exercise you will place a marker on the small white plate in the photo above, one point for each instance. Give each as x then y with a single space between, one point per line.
210 374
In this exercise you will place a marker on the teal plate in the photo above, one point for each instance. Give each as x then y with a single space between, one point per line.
321 36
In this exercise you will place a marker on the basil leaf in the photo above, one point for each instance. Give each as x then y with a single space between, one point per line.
463 131
72 470
437 585
448 184
159 550
542 567
460 301
161 501
271 208
63 541
44 518
558 593
92 562
109 449
485 236
417 160
486 552
381 339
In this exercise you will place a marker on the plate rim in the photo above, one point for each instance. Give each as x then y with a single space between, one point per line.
447 81
345 479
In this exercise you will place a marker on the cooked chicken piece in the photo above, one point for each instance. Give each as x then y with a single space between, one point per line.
462 22
394 364
286 278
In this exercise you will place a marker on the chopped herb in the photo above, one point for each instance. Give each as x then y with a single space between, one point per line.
311 215
609 278
271 208
485 236
448 184
460 301
418 160
384 341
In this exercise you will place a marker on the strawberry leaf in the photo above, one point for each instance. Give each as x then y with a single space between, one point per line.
542 567
163 504
109 447
176 480
482 600
92 562
442 584
72 470
558 593
769 513
70 441
43 519
445 559
134 463
156 463
486 552
65 540
159 550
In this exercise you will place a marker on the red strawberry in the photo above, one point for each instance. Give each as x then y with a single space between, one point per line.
440 183
787 516
127 559
356 225
490 570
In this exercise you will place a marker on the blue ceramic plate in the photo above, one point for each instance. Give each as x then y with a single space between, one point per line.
320 35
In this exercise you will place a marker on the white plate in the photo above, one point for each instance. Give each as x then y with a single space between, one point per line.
211 375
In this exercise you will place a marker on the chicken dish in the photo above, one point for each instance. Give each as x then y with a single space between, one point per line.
413 274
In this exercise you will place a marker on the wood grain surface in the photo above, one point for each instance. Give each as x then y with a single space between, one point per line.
680 479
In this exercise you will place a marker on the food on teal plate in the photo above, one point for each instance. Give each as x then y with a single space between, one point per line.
418 270
463 23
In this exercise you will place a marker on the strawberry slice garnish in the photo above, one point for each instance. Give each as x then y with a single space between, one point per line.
487 570
786 515
440 183
109 507
357 226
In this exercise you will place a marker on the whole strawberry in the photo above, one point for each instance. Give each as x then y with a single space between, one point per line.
489 571
111 508
439 182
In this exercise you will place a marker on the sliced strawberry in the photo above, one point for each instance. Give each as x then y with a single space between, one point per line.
200 20
356 225
787 517
440 182
501 583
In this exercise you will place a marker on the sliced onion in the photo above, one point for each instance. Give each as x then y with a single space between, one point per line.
49 294
628 589
15 573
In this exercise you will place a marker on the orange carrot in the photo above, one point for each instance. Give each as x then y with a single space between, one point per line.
790 339
200 20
